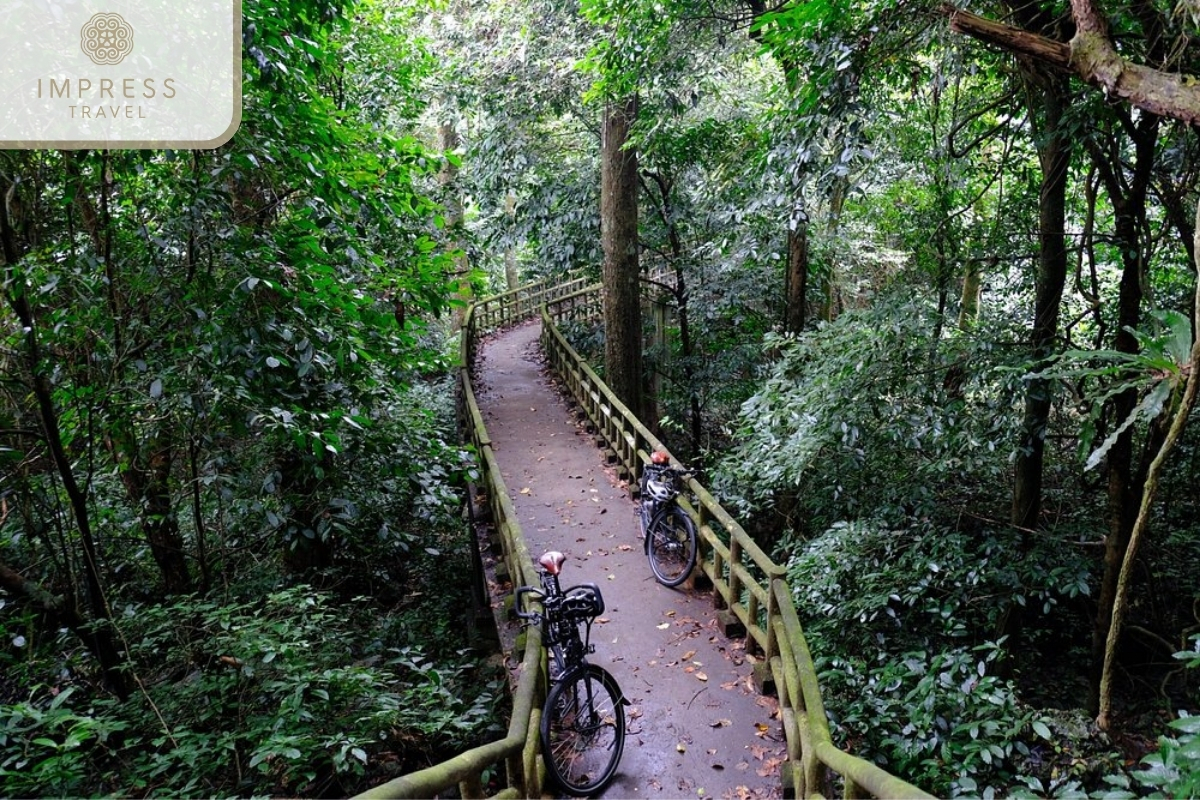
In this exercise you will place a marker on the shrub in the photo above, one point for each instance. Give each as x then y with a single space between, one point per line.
284 694
937 718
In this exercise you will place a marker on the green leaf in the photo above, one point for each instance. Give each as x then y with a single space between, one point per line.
1149 408
1186 724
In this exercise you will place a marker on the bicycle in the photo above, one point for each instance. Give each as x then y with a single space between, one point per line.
583 719
668 532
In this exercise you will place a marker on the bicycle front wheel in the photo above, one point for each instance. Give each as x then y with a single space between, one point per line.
671 545
583 731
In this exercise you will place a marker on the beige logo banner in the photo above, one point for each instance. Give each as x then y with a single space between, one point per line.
120 73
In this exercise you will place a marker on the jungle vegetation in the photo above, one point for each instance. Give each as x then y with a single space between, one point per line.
929 283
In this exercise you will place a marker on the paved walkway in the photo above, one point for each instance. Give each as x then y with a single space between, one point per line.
697 728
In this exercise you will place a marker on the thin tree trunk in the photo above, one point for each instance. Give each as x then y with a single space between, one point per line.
1142 523
1054 152
1125 484
448 141
511 279
99 637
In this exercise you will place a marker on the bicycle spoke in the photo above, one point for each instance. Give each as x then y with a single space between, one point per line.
584 732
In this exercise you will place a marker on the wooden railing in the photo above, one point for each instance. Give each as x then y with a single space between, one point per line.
517 752
747 586
525 302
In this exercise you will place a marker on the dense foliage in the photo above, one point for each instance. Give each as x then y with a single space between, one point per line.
232 555
923 311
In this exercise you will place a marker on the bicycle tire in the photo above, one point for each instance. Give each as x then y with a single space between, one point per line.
671 546
583 730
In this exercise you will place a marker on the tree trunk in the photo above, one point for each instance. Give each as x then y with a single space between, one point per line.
972 293
511 279
1127 193
619 238
448 141
99 636
1049 96
145 469
1181 411
797 278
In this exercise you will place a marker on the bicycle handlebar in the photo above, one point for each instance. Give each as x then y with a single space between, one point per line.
519 603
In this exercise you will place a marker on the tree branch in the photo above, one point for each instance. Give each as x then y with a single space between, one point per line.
1090 55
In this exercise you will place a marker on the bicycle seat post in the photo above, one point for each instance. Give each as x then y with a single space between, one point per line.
551 563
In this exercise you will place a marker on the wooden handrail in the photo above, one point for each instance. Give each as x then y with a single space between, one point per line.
732 561
729 557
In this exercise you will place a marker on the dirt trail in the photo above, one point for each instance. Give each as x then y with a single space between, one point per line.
696 728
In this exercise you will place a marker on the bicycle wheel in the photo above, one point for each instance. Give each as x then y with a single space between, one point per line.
583 731
671 545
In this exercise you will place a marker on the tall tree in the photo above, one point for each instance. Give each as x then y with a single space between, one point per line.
619 237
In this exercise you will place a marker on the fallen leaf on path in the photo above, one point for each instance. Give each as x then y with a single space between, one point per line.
681 747
662 627
721 723
688 655
701 676
761 729
526 490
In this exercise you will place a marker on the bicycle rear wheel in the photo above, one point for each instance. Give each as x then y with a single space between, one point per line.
583 731
671 545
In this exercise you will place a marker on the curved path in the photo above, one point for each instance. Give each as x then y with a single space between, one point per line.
697 728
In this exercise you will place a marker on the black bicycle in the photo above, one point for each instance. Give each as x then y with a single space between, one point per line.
668 533
583 720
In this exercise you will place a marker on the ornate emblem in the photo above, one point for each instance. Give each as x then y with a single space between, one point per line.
106 38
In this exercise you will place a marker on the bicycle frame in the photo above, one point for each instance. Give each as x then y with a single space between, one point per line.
582 731
568 647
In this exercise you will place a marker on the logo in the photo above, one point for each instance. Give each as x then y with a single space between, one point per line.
159 74
106 38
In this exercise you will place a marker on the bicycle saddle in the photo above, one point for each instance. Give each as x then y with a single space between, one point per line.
552 561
